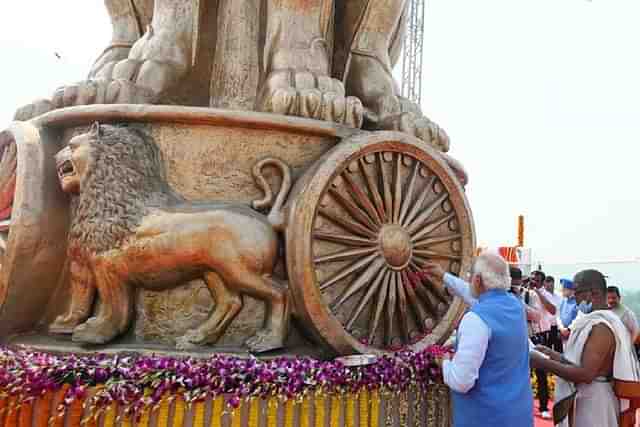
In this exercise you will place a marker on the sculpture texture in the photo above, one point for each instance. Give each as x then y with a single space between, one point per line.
136 261
321 59
131 230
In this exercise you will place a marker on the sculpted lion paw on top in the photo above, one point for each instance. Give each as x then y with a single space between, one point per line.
318 59
130 232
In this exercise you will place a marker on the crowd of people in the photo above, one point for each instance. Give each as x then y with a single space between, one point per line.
517 326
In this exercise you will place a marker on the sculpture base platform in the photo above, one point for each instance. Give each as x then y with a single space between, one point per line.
63 345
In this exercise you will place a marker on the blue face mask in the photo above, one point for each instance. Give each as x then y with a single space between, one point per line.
585 307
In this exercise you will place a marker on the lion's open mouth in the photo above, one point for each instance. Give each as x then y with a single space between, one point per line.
64 165
65 169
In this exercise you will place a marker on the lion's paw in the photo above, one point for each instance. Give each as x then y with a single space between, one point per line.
33 109
103 66
306 94
264 340
419 126
184 343
64 324
458 169
94 331
193 338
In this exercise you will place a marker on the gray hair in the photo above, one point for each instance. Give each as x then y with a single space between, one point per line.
493 270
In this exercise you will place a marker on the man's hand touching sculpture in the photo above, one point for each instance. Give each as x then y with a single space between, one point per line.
492 348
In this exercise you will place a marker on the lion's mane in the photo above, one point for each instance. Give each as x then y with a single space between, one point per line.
125 176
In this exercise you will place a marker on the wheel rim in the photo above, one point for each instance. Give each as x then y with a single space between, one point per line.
383 206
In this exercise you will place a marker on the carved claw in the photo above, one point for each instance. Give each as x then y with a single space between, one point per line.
264 340
65 324
32 110
457 169
195 338
94 331
306 94
418 126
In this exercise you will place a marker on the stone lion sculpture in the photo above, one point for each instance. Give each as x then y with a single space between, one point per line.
322 59
130 229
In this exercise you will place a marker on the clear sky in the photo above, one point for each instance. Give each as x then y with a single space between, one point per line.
540 97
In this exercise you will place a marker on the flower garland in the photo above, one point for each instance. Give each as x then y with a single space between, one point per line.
141 383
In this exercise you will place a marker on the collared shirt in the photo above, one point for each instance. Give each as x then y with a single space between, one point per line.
461 373
548 320
568 311
629 319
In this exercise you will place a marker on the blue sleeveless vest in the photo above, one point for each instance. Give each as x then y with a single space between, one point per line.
502 394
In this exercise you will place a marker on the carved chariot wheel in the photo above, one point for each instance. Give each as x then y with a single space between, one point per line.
363 221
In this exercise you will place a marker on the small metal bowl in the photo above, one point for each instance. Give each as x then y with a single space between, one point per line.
358 359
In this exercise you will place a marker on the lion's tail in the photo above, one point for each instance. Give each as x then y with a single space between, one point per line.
276 215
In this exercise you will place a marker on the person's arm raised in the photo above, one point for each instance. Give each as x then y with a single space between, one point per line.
598 347
545 301
457 286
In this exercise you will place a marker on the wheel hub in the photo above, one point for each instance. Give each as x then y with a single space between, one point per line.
395 243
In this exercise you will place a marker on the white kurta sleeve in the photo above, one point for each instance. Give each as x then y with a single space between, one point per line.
461 373
631 322
460 288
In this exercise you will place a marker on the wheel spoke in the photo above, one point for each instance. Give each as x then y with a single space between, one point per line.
422 292
346 224
431 226
408 197
373 189
427 254
431 241
344 255
415 209
426 214
419 312
353 209
397 190
366 297
391 311
362 199
363 280
376 310
350 269
343 239
402 307
386 191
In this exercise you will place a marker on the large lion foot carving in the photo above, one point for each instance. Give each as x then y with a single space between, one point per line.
305 94
94 331
265 340
415 124
66 323
155 63
370 79
112 55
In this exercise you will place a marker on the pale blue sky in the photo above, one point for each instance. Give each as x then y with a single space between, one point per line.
540 97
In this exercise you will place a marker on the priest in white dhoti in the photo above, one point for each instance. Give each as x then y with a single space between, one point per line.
598 352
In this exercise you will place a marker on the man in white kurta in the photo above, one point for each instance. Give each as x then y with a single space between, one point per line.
598 351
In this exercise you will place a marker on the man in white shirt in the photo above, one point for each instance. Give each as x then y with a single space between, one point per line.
624 313
548 336
489 374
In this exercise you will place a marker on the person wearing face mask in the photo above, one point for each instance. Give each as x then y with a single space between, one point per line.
489 374
598 352
568 308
